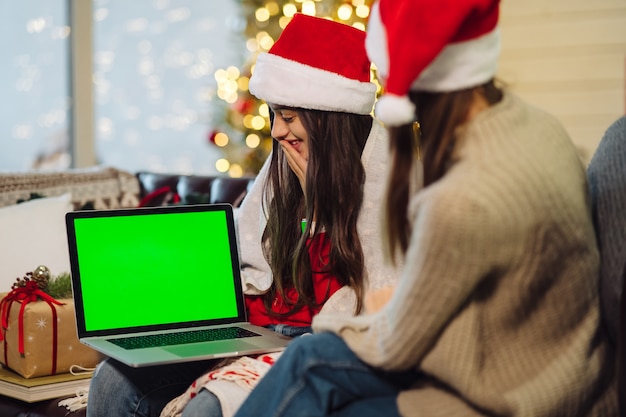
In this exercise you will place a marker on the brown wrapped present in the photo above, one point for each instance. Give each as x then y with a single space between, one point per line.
38 334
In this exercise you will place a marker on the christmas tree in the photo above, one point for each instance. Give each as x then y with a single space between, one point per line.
247 118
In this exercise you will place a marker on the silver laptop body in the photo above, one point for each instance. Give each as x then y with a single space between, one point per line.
161 274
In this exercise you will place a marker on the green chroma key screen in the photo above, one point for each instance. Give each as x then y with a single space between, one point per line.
145 270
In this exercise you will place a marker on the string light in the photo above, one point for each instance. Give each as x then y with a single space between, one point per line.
344 12
222 165
289 9
258 123
264 110
235 171
253 140
272 7
264 40
247 114
221 139
233 72
262 14
308 7
247 121
362 11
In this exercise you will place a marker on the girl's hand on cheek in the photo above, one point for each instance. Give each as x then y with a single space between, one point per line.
296 162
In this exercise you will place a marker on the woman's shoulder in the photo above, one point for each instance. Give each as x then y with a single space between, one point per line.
376 149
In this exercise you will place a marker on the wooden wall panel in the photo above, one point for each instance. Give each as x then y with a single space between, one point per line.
568 57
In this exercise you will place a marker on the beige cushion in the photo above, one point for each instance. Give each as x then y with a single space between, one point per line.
32 234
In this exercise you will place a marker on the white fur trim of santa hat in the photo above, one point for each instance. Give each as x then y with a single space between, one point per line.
462 65
316 63
285 82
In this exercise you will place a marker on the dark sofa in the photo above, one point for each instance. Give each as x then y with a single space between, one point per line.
154 189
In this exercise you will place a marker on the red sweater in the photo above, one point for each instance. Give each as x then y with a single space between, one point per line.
325 285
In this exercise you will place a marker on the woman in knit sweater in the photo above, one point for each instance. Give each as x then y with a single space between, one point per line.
327 166
496 312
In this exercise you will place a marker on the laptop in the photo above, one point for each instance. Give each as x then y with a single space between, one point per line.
161 285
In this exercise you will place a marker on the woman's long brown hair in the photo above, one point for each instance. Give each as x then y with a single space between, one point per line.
334 194
438 114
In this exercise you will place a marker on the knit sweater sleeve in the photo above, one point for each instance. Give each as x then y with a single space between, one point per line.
448 261
256 274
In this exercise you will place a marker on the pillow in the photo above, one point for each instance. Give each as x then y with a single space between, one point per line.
32 234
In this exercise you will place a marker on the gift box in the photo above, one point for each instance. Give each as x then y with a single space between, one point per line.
38 335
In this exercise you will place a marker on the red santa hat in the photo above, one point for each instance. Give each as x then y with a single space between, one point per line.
317 64
430 45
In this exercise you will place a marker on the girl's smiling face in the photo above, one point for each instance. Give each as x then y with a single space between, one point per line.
288 127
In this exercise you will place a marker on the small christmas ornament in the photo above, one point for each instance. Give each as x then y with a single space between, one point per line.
41 275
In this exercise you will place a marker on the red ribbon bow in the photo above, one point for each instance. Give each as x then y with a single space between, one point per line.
24 295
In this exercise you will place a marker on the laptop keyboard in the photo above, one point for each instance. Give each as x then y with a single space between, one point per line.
182 338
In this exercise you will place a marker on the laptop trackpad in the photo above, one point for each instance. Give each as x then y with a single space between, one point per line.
210 348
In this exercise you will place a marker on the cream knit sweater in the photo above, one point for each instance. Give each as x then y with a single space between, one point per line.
498 301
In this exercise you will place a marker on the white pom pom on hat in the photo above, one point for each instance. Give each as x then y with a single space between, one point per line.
395 110
431 46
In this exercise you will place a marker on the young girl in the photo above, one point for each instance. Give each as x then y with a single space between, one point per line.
309 228
496 311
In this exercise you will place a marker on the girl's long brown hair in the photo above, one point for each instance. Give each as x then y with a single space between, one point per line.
334 194
438 114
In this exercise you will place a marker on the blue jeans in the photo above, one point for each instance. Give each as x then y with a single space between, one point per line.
117 390
205 404
319 375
